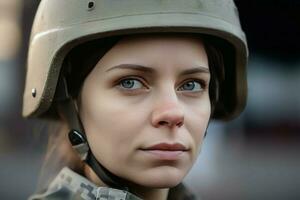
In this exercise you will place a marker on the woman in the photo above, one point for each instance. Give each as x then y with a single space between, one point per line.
133 85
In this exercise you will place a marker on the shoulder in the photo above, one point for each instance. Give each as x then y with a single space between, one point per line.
59 194
67 185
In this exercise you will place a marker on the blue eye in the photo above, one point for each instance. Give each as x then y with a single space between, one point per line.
191 86
131 84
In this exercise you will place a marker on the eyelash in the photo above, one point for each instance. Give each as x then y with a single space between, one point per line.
201 82
135 78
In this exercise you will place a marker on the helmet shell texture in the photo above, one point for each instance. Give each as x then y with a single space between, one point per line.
61 25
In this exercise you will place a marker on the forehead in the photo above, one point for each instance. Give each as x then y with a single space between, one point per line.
157 49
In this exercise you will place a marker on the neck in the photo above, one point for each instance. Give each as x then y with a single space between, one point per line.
151 194
142 192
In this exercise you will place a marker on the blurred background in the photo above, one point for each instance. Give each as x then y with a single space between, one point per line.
253 157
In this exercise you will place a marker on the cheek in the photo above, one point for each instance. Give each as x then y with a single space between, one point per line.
197 118
110 121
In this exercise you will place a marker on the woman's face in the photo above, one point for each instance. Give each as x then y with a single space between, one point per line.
145 108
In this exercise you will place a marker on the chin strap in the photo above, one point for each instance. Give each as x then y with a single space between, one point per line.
78 139
105 175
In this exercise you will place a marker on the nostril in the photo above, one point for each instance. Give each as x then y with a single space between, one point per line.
179 124
162 123
166 117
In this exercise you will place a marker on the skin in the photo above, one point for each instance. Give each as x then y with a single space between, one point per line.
141 93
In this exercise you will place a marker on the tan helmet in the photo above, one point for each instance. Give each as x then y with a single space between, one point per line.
60 25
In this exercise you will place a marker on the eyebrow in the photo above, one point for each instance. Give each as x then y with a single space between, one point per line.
198 69
133 67
194 70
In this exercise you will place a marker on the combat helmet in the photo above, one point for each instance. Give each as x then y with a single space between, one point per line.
61 25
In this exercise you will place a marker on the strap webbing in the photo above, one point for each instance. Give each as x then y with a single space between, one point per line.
69 111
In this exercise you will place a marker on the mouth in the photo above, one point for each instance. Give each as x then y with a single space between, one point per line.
167 147
166 151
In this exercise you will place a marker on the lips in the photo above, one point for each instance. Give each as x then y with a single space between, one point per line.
167 147
165 151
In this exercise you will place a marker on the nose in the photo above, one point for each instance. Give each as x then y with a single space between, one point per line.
168 115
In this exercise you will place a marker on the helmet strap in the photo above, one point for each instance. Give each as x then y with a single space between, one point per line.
77 137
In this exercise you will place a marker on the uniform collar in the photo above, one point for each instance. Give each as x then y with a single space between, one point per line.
88 190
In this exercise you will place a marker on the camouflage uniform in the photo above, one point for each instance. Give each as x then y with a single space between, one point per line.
69 185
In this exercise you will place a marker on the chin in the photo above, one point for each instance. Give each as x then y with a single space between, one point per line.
166 178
